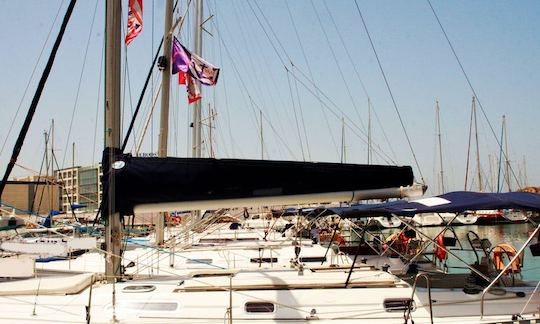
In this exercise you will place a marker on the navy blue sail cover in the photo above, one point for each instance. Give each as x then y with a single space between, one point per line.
158 180
452 202
461 201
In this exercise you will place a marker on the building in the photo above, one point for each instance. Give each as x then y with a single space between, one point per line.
69 180
37 194
81 186
90 190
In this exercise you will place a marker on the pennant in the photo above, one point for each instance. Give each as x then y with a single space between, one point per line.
135 14
182 78
181 57
193 91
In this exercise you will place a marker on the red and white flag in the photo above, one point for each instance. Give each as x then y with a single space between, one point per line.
193 91
135 14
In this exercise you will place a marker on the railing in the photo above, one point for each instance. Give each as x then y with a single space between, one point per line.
505 269
428 284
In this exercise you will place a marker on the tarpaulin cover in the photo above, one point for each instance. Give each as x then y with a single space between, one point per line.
160 180
452 202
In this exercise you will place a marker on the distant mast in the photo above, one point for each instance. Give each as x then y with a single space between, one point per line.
437 110
478 168
343 154
262 138
507 164
471 124
369 132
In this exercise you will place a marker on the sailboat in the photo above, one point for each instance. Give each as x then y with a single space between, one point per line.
292 295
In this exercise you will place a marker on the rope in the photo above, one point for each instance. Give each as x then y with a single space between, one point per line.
310 72
295 117
33 106
79 85
336 61
390 92
499 143
31 77
98 103
252 102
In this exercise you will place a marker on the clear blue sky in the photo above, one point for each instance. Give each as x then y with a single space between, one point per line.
497 42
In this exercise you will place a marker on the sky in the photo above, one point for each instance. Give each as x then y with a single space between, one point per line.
308 68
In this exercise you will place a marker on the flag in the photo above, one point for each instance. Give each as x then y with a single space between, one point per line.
135 14
203 71
193 90
182 78
196 66
181 57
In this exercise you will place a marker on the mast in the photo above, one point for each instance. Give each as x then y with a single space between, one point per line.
437 109
480 187
210 126
113 41
47 178
197 107
72 176
164 115
51 190
507 164
262 140
499 187
343 140
525 180
165 81
369 132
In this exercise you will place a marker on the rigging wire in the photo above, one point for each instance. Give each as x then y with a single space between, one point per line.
362 84
39 177
252 66
499 143
310 72
98 101
127 83
269 76
75 104
381 154
291 70
149 75
253 104
226 99
301 115
37 95
338 116
296 118
390 92
338 66
31 77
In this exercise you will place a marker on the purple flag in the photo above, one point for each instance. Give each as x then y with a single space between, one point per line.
181 57
196 66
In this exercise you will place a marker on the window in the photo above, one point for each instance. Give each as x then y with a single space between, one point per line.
204 261
146 306
399 304
259 307
312 259
139 288
263 260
